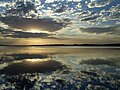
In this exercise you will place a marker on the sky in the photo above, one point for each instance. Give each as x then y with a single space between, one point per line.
65 22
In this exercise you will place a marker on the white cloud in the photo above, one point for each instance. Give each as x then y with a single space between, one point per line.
98 3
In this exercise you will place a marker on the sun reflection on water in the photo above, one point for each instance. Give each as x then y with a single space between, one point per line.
36 60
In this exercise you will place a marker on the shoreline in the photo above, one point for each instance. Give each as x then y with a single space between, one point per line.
91 45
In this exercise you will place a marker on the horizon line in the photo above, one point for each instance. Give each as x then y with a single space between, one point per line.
113 44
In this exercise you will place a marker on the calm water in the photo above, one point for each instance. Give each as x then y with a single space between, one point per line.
59 68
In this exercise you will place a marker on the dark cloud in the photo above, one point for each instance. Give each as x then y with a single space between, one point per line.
60 10
100 30
90 18
40 24
21 34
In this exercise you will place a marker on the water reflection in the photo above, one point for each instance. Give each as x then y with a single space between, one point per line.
30 67
41 68
107 61
12 57
36 60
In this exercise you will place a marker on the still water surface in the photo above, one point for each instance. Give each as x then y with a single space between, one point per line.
59 68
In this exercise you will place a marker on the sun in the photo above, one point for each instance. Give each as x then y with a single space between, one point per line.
37 31
34 31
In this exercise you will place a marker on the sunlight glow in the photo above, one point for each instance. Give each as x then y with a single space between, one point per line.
37 31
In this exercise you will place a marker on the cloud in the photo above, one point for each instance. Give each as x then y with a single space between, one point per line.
25 24
90 18
100 30
112 13
103 11
98 3
90 11
115 12
60 10
21 34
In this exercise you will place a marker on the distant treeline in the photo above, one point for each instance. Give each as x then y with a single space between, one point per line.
118 44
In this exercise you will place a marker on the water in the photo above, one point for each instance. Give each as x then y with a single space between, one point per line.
59 68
